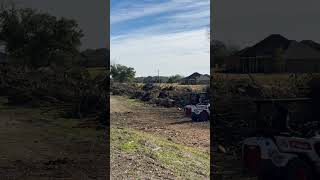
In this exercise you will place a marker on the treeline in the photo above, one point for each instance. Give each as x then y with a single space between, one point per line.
220 50
45 65
159 79
34 39
121 73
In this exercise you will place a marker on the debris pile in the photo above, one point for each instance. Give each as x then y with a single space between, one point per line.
73 90
168 96
234 105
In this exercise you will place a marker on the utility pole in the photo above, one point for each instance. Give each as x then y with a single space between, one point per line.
158 77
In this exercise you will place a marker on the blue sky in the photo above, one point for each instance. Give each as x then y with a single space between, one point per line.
169 35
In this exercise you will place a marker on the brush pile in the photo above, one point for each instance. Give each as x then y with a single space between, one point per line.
234 105
169 96
73 90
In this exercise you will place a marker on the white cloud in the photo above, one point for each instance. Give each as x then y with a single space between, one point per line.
192 15
176 53
178 44
138 11
135 11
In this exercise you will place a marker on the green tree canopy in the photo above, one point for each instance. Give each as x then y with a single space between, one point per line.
174 78
122 73
38 39
219 48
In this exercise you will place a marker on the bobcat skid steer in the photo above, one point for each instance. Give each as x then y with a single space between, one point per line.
199 109
278 152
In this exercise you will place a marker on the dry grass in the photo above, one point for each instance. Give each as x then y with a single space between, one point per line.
94 72
196 88
263 79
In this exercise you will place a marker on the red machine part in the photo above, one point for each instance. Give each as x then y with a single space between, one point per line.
252 158
188 111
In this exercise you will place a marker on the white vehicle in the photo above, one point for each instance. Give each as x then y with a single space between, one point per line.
199 111
281 157
274 154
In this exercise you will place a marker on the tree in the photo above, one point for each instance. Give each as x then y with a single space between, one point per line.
218 48
174 79
122 73
232 48
38 39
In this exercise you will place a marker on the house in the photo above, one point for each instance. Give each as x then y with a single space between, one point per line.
196 78
311 44
276 54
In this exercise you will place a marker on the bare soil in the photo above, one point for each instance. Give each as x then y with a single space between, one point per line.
167 123
37 144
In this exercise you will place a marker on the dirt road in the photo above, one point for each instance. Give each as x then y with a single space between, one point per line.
149 123
38 144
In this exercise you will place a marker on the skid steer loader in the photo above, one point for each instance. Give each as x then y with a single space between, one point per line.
199 107
278 151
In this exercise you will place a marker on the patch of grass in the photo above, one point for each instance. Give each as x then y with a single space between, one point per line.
196 88
186 162
133 101
131 143
263 79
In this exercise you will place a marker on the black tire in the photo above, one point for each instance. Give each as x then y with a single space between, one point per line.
269 172
298 169
194 117
204 116
264 177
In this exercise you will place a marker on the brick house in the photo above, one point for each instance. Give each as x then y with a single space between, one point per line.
275 54
196 78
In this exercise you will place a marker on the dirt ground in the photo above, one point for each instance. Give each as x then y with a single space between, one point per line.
38 144
171 124
167 123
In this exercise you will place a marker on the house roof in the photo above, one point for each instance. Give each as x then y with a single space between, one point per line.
298 50
193 76
292 49
312 44
266 47
196 75
203 77
240 52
